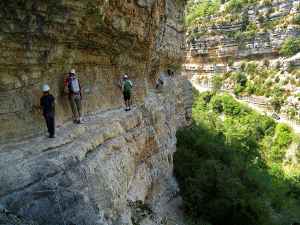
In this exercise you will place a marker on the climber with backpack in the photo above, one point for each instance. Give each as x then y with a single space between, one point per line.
47 104
127 91
72 87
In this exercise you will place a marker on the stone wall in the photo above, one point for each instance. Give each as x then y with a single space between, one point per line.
116 167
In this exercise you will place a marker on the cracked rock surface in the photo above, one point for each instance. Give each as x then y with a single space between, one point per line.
116 167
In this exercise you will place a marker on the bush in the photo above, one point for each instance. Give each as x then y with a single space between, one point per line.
217 82
290 47
251 68
238 89
230 62
296 20
230 105
197 11
240 78
267 3
235 6
276 103
266 63
283 136
251 88
217 105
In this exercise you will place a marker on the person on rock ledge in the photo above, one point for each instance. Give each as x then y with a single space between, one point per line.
47 103
73 89
127 91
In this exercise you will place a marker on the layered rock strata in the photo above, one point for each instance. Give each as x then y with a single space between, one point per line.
248 41
41 41
116 167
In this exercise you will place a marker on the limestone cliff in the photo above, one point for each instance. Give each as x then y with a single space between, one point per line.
248 38
116 168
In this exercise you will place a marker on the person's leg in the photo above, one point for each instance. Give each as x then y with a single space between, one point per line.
129 101
73 107
125 100
47 122
52 126
78 107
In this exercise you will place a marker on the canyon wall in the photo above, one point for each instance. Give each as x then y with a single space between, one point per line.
116 167
248 40
42 40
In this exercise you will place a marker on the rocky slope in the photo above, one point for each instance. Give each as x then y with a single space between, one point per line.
116 168
249 39
7 218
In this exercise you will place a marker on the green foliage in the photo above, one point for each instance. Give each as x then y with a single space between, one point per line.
254 80
296 20
196 11
267 3
240 78
235 6
238 89
276 103
290 47
228 164
230 62
251 31
283 136
217 82
251 68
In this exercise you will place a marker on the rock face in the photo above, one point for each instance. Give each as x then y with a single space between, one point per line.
256 32
248 41
7 218
116 167
41 42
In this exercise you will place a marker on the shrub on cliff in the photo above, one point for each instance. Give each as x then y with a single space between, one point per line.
196 11
217 82
290 47
235 6
296 20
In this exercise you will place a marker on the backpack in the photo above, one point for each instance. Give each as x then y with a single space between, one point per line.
74 85
127 86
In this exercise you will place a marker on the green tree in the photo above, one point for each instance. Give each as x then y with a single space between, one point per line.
276 103
197 11
217 82
290 47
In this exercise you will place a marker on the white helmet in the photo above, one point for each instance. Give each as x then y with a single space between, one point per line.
46 88
73 71
125 76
